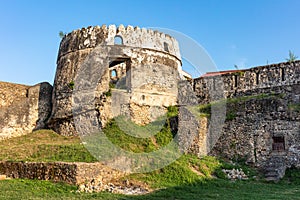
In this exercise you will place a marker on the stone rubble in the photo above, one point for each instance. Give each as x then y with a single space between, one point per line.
235 174
126 188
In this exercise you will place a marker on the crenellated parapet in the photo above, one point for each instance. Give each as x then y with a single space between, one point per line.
130 36
227 84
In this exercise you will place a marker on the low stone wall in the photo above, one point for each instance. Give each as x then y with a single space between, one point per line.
71 173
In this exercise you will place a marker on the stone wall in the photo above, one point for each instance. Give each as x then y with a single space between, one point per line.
262 123
263 129
72 173
23 108
227 84
145 64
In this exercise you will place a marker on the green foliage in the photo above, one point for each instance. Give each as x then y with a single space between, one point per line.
61 34
127 142
71 85
66 153
122 132
36 189
112 85
230 115
206 109
294 107
292 176
240 73
292 57
44 145
238 164
186 170
172 111
209 189
108 93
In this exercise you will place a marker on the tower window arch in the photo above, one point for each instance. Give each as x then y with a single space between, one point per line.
118 40
166 47
113 73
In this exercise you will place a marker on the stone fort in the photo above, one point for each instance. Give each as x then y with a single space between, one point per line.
141 76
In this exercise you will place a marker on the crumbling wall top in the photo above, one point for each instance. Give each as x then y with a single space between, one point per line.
91 37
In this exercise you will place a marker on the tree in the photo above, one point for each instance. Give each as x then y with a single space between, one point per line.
61 34
292 57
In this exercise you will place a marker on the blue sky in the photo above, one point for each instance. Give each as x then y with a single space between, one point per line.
234 32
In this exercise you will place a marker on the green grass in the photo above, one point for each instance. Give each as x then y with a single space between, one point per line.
34 189
186 170
187 178
127 142
44 145
209 189
47 146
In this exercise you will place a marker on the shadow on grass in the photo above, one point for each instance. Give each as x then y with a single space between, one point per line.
224 189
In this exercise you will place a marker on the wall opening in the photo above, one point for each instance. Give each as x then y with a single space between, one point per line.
282 74
278 143
257 78
118 72
166 47
235 80
113 73
118 40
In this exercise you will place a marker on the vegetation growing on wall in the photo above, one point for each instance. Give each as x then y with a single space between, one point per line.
204 110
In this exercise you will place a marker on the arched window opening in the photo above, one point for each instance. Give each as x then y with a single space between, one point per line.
118 40
113 73
166 47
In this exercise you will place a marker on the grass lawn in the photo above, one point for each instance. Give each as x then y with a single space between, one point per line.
214 189
44 145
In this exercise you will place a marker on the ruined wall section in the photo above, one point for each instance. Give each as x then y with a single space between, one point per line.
150 56
262 125
23 108
263 129
231 84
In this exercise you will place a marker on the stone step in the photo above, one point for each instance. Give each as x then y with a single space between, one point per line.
275 168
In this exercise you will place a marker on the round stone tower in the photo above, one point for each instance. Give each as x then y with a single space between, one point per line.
139 79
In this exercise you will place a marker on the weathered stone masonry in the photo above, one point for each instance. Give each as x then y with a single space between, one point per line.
263 129
23 108
142 65
142 76
72 173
